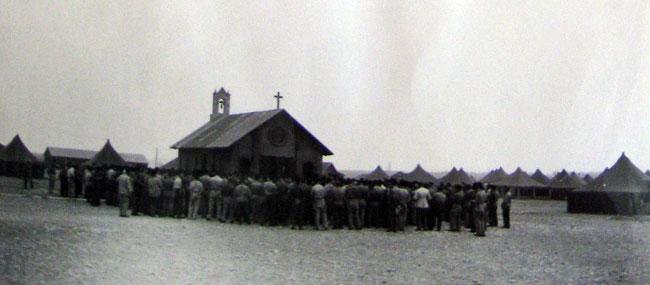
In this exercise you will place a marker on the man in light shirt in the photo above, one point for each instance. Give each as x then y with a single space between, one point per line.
320 207
196 188
124 190
421 196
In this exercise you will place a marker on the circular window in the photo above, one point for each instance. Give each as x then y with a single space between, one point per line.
277 136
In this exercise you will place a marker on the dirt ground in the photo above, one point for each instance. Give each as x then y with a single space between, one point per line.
68 242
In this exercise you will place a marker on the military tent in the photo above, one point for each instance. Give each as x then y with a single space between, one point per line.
16 159
419 175
329 170
75 157
495 176
540 177
457 177
376 175
523 185
560 175
587 178
398 176
621 189
107 156
560 188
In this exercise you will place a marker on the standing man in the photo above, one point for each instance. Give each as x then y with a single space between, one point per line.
124 189
480 205
214 196
63 181
421 196
27 176
78 182
155 190
339 211
492 206
71 184
320 207
51 177
242 195
295 196
352 196
179 197
168 195
96 180
270 203
456 209
85 182
140 193
505 208
196 189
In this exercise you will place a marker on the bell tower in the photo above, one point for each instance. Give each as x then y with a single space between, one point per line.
220 104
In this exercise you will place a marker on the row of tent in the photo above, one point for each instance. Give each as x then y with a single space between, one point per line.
16 158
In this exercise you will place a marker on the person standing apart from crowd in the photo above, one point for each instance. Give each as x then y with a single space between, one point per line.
505 208
196 189
421 196
124 190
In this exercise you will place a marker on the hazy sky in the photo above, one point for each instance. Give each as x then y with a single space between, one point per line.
474 84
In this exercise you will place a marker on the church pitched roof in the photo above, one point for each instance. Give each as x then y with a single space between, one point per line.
16 151
224 131
623 176
540 177
419 175
107 156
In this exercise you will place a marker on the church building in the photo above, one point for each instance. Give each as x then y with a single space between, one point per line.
265 143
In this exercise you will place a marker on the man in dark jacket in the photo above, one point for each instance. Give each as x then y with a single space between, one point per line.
480 217
492 206
63 181
505 208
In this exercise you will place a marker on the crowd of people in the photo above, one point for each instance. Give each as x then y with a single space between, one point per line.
325 203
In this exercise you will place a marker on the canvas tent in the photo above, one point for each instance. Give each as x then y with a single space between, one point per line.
376 175
560 175
329 170
398 176
523 185
621 189
419 175
587 178
560 188
15 159
457 177
495 176
107 156
75 157
540 177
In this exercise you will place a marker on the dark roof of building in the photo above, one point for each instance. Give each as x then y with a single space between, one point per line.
107 156
519 179
377 174
623 176
225 131
540 177
495 176
457 177
419 175
16 151
131 158
172 164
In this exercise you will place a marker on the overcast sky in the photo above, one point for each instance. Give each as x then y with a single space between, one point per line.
473 84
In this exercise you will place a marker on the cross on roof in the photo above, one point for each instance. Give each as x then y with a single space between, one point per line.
277 98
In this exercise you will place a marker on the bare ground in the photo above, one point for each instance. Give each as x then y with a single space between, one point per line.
68 242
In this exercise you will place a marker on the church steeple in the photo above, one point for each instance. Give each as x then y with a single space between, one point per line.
220 104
